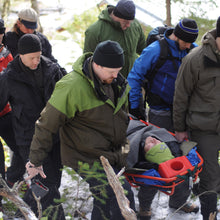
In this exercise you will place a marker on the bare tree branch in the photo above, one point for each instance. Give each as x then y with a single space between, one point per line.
12 195
123 202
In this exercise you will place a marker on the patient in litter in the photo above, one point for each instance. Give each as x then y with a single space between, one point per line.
156 151
150 148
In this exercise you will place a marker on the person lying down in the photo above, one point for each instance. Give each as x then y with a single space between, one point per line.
151 145
156 151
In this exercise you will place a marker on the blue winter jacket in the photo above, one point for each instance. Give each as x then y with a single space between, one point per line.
164 81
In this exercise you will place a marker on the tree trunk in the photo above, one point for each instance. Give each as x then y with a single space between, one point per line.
34 5
114 182
5 8
168 10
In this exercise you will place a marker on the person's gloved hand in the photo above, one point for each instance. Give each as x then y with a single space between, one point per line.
138 114
33 171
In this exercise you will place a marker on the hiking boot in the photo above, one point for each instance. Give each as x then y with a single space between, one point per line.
188 208
144 215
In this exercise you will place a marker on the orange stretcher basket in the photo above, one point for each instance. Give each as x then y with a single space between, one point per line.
167 184
170 183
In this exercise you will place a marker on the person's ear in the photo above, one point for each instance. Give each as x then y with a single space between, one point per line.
18 23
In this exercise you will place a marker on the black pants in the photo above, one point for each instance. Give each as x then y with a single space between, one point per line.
106 207
2 161
6 132
2 165
161 118
52 165
146 195
52 168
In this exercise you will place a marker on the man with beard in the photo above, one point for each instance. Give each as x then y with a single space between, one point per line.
89 107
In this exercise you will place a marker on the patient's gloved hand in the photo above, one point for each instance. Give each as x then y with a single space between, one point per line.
138 114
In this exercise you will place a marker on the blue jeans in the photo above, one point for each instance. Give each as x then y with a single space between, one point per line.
109 210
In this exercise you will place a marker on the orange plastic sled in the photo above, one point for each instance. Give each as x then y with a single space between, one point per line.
172 172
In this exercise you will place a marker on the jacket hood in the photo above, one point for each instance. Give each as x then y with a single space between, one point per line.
105 15
78 65
211 51
209 38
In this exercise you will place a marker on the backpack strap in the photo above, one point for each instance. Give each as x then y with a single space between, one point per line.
165 54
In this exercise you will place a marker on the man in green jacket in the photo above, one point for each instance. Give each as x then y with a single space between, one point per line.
89 108
118 24
196 113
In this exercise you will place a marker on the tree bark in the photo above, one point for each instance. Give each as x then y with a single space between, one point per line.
168 12
34 5
5 8
114 182
12 195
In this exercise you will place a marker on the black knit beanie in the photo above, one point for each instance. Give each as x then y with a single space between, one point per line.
125 9
218 27
109 54
187 30
29 43
2 26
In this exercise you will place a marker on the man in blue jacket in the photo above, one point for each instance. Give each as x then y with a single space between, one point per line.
160 97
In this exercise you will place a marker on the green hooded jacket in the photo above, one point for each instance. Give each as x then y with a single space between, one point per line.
90 124
132 40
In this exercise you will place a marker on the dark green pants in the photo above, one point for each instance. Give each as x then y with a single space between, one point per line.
208 148
209 185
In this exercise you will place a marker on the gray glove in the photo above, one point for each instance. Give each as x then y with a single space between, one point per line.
187 146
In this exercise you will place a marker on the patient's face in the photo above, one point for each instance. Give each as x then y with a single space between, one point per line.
150 142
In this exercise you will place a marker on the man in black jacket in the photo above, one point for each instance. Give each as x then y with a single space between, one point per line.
27 84
27 24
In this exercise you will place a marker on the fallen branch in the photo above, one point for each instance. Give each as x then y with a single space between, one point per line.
123 202
12 195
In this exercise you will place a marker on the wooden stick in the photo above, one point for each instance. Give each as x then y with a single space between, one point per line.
114 182
12 195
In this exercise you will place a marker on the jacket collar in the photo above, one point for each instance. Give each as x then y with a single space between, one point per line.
15 72
119 84
211 52
105 15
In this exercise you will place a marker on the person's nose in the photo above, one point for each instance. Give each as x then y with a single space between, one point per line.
188 45
36 61
128 24
29 31
115 75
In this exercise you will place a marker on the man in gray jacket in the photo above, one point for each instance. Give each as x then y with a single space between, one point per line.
196 113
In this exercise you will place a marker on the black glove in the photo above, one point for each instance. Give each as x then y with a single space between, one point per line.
218 27
138 114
